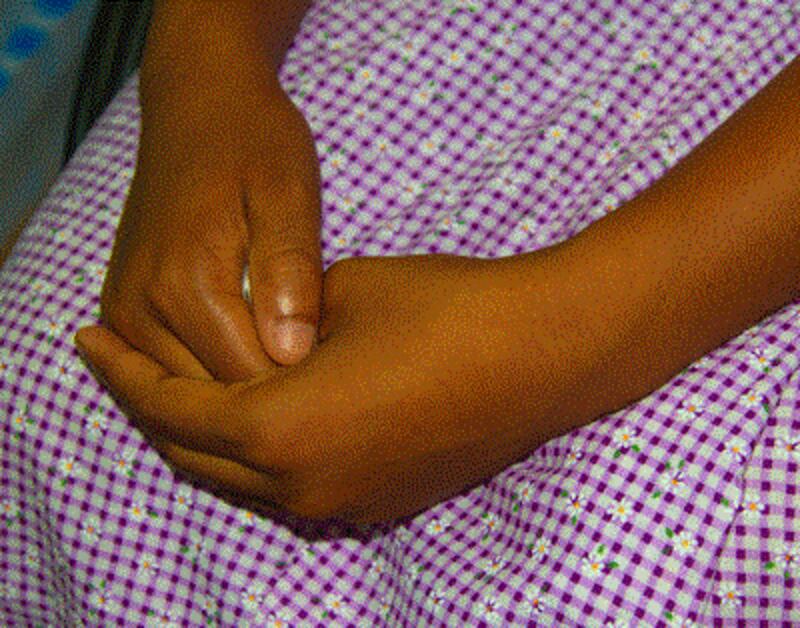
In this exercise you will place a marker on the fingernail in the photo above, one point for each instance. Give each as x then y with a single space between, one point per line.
292 337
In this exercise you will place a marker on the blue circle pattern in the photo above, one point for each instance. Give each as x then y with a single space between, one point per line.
26 39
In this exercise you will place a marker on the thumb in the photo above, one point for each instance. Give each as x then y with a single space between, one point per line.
285 275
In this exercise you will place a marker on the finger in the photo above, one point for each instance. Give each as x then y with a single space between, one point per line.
215 321
226 474
194 413
149 336
285 268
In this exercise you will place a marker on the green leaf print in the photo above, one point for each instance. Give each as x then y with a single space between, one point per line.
769 565
617 453
670 533
724 501
613 564
668 615
656 495
564 493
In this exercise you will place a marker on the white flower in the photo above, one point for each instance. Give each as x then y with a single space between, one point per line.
32 558
753 398
609 203
96 423
674 480
334 164
137 510
124 460
67 466
163 618
752 508
245 517
702 40
526 492
275 619
730 595
573 456
101 600
7 365
9 508
736 450
183 498
592 565
253 596
487 608
436 597
63 370
535 601
455 58
540 549
377 568
436 526
51 327
407 188
423 96
605 155
506 88
787 444
91 529
637 117
621 510
491 566
335 603
554 136
365 75
576 503
644 56
763 358
197 546
682 6
432 144
685 543
788 557
147 568
625 436
95 272
8 591
691 408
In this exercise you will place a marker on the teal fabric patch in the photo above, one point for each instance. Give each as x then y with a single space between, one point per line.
24 41
55 8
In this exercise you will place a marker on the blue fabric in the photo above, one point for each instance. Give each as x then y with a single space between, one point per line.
41 48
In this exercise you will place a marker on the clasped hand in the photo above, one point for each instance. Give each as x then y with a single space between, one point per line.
411 394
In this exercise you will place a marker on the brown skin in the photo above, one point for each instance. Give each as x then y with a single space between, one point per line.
436 372
227 174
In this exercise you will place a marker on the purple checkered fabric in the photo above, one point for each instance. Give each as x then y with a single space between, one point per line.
476 127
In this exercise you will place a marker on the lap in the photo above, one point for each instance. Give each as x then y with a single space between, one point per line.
641 515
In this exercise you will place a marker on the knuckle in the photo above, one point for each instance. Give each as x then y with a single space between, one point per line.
166 285
294 261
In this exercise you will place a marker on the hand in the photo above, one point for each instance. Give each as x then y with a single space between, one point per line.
427 380
227 174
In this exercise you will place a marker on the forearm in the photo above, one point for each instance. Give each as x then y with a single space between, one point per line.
212 39
706 252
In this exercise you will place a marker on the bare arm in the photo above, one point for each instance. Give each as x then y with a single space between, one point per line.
705 253
250 32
